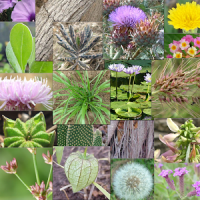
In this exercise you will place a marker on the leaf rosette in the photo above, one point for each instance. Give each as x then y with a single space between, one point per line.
81 170
32 133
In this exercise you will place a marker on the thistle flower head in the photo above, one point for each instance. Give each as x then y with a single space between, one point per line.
47 158
185 16
180 171
132 181
19 94
5 4
147 78
165 172
196 185
24 11
116 67
11 167
126 16
39 191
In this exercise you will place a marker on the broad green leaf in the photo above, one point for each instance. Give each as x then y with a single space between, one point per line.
41 67
12 59
59 153
21 41
131 113
147 111
32 57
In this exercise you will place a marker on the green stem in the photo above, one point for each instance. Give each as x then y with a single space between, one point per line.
155 92
133 82
118 54
36 170
102 190
23 182
190 31
116 86
49 177
129 92
49 194
58 164
85 152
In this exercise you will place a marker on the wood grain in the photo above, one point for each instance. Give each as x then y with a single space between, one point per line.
62 11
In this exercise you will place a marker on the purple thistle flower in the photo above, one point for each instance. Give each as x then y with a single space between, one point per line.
24 94
126 16
5 4
180 171
147 78
165 174
116 67
24 11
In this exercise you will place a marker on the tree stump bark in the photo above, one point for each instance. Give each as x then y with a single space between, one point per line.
62 11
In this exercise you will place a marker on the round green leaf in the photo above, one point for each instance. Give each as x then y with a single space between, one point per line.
133 113
21 41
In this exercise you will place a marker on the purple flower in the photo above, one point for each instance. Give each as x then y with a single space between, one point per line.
165 172
197 187
5 4
24 94
160 165
147 78
24 11
180 171
11 167
116 67
198 165
169 56
134 69
126 16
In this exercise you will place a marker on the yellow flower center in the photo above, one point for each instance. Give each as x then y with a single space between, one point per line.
184 44
178 55
192 51
198 42
173 47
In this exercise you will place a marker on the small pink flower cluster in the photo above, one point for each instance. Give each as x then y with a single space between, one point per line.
185 48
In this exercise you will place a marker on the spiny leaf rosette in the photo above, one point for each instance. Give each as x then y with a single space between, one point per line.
146 32
18 94
32 133
77 45
185 16
81 170
132 181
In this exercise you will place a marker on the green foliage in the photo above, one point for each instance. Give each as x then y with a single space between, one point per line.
81 98
81 170
20 51
32 133
59 153
79 135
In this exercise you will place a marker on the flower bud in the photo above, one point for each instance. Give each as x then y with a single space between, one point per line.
172 126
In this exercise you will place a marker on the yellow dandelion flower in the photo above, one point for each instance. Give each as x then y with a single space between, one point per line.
177 55
192 51
185 16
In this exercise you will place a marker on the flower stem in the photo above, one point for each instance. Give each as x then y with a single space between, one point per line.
181 185
133 82
155 92
129 92
36 170
58 164
102 190
49 177
85 152
23 182
116 86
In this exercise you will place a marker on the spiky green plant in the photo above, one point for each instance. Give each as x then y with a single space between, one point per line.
81 97
77 45
79 135
32 133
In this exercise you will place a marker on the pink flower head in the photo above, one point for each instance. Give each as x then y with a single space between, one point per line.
47 158
24 11
184 44
5 4
165 173
39 191
197 42
180 171
11 167
24 94
197 187
174 47
169 56
188 38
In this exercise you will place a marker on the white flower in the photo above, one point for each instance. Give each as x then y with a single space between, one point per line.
172 126
133 181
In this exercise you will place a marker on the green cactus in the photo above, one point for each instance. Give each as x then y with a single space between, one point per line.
32 133
78 135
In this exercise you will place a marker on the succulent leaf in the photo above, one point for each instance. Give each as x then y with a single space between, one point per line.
81 171
97 138
32 133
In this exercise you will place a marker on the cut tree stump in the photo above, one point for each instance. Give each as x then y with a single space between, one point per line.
62 11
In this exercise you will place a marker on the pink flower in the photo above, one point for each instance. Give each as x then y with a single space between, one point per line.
174 47
24 11
11 167
24 94
169 56
197 42
5 4
188 38
184 44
